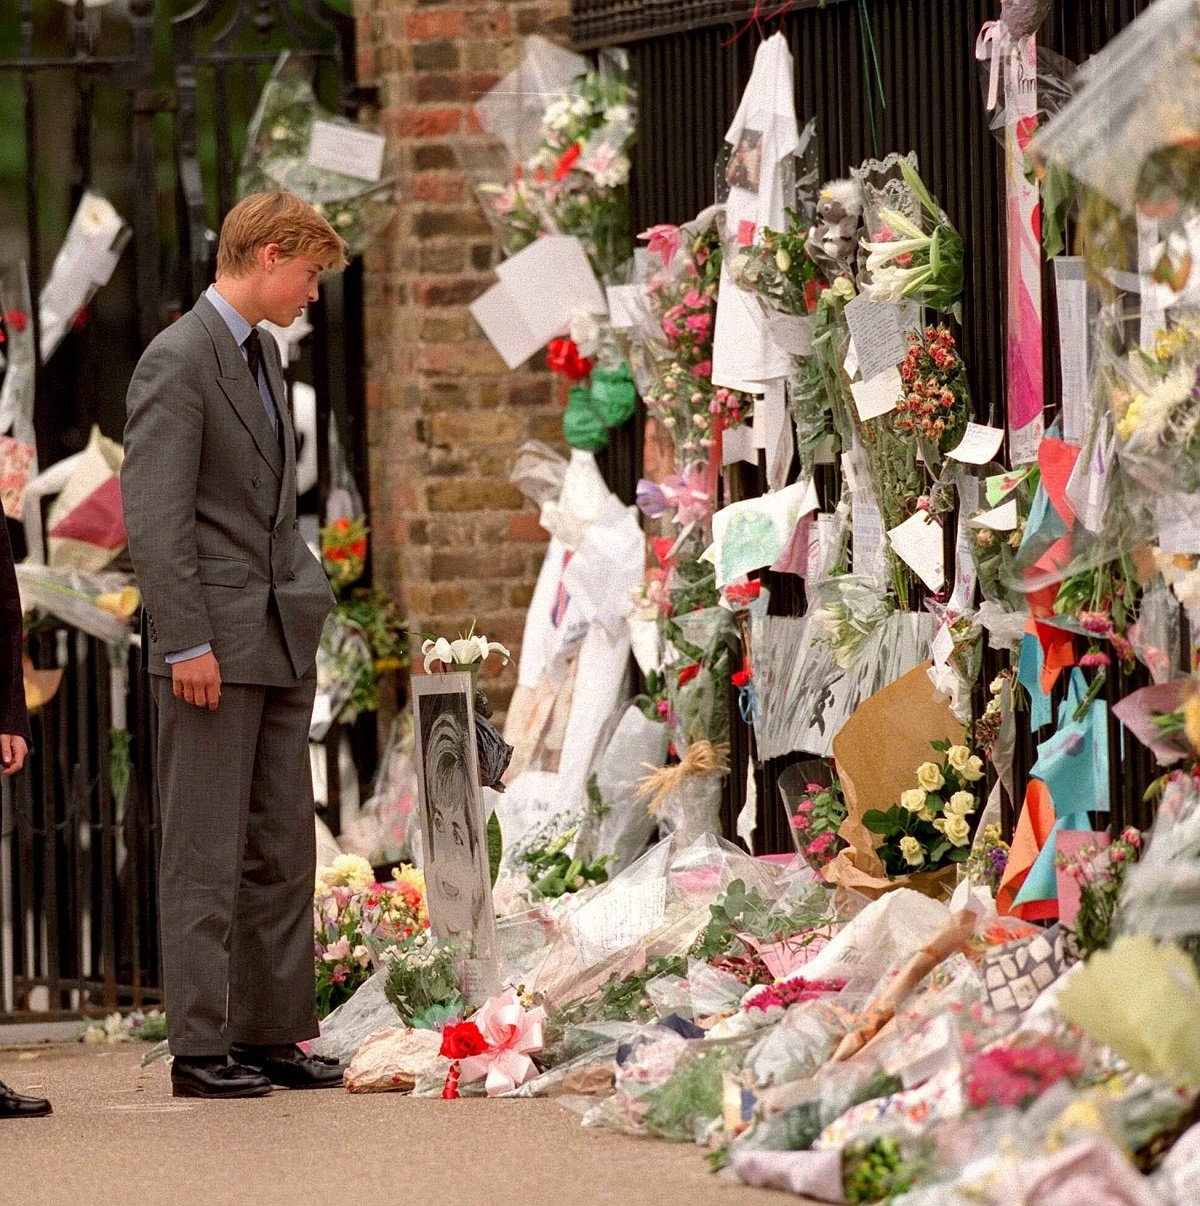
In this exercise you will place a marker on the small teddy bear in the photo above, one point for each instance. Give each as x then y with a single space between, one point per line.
833 239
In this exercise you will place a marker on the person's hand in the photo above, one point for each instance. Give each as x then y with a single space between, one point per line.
12 752
198 681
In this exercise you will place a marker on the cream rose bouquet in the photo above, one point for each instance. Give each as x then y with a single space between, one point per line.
931 826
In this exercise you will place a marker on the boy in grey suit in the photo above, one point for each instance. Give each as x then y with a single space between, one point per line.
234 606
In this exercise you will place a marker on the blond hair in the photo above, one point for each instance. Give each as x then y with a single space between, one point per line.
276 217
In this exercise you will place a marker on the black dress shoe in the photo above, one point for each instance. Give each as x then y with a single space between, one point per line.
289 1067
216 1078
17 1105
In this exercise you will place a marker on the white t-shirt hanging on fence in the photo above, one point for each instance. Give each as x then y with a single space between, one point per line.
763 135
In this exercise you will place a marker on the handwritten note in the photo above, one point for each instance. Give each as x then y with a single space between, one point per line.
878 395
1087 486
978 445
867 533
1070 287
879 340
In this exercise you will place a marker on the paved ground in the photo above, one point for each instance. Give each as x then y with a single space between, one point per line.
117 1138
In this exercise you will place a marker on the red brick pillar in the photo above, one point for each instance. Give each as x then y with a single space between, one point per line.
453 539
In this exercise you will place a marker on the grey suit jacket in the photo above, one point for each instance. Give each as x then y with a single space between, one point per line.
210 507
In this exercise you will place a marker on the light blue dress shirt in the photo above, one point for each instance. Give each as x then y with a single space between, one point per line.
239 328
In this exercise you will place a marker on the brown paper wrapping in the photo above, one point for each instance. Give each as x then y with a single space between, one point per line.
877 752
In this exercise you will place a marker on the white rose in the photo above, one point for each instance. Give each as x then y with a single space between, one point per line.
973 771
913 851
929 776
912 800
957 830
958 756
618 115
961 804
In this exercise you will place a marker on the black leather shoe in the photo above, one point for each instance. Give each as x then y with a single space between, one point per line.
17 1105
289 1067
216 1078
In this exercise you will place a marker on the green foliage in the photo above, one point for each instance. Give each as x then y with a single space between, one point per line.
495 845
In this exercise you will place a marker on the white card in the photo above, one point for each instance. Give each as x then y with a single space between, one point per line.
978 445
550 280
504 325
918 543
877 395
851 362
336 147
1071 294
1002 519
943 645
867 536
878 337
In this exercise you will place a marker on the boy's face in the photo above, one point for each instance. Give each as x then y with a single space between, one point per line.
287 285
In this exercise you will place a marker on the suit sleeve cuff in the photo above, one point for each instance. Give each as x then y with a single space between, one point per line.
186 655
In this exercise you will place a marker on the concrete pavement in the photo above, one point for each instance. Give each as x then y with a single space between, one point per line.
118 1138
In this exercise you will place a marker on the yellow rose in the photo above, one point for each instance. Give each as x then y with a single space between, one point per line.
973 771
912 800
961 804
958 756
783 261
913 851
929 776
956 830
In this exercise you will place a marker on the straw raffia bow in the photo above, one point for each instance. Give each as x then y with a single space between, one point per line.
702 758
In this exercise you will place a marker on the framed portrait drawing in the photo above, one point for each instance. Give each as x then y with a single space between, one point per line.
458 882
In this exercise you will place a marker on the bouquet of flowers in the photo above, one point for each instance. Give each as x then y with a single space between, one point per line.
422 980
930 827
988 858
815 822
779 270
576 180
364 637
355 919
1013 1076
554 872
1154 398
1100 874
907 263
277 157
935 405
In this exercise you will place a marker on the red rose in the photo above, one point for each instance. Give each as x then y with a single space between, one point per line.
460 1040
341 525
741 678
688 673
17 319
359 548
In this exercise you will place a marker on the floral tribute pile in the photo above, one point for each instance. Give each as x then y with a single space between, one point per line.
965 986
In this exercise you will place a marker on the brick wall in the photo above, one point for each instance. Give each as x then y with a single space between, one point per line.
452 538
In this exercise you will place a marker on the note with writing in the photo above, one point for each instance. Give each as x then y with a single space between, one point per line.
978 445
1070 287
879 340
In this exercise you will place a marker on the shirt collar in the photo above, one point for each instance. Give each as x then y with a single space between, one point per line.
239 328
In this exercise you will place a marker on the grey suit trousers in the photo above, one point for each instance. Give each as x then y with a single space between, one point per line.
237 867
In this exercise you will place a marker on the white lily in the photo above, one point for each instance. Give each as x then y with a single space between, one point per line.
466 651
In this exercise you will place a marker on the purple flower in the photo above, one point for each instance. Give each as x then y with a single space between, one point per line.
650 500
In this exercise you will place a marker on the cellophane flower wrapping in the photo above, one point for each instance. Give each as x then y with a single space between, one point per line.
571 176
693 807
700 701
276 157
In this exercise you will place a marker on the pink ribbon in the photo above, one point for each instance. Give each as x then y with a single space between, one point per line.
993 42
512 1032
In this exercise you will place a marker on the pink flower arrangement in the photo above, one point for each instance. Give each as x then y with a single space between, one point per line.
1012 1077
791 992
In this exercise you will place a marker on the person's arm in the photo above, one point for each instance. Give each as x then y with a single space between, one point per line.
164 431
15 734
